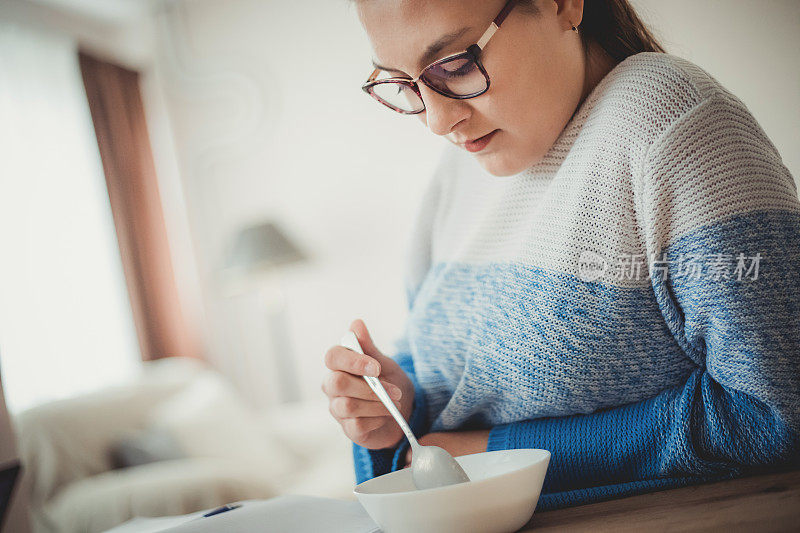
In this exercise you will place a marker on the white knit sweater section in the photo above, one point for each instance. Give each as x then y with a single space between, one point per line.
584 193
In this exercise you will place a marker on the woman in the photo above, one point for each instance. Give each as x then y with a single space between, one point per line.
606 265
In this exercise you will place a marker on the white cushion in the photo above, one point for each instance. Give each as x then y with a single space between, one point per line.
210 419
66 440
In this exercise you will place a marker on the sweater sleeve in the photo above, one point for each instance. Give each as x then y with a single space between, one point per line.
711 187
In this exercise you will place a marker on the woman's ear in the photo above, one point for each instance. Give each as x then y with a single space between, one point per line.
570 13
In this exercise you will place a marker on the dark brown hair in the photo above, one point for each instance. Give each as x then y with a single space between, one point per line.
614 25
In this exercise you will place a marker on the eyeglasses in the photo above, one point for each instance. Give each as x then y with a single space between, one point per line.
458 76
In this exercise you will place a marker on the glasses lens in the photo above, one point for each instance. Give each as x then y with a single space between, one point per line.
459 76
398 95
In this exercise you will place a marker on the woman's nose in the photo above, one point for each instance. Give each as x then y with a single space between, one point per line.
442 113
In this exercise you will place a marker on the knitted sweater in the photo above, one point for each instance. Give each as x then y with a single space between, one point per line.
630 303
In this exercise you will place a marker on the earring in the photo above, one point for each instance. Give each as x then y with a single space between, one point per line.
574 28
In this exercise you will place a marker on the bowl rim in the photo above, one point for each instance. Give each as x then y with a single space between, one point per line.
442 490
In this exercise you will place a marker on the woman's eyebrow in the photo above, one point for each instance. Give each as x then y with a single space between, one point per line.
432 50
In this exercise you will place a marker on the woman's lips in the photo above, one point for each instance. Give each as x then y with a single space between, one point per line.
480 143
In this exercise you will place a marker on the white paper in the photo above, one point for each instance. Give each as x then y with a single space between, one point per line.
143 524
289 513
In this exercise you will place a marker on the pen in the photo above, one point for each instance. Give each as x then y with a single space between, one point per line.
223 509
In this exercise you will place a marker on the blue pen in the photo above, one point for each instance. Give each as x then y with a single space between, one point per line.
223 509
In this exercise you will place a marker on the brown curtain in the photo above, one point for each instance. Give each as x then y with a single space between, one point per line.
119 121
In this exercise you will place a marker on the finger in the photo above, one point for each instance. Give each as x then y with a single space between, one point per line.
365 340
344 384
349 407
346 360
358 428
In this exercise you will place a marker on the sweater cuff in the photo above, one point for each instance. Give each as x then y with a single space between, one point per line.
500 438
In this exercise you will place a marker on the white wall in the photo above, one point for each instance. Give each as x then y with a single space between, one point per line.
269 121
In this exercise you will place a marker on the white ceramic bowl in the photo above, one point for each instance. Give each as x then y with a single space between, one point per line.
500 497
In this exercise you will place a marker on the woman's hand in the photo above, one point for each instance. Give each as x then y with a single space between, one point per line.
455 442
364 419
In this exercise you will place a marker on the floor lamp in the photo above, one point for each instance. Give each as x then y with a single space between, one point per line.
256 256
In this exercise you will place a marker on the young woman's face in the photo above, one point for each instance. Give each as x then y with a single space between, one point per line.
535 63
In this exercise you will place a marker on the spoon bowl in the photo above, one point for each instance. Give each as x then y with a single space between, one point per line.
432 466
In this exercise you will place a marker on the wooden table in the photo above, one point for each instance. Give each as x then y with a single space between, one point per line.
761 503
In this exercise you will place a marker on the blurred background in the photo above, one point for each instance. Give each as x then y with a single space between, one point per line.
203 186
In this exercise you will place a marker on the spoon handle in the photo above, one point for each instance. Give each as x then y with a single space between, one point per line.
375 384
349 340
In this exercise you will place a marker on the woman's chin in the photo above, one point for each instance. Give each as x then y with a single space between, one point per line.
497 165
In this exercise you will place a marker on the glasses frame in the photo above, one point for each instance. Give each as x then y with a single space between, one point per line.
473 52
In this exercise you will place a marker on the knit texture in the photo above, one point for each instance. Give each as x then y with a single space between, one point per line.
630 303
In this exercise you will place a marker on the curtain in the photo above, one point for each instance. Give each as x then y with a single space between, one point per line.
119 122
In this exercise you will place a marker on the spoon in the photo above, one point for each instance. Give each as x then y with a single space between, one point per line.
431 466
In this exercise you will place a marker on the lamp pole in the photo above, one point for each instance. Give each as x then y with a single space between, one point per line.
273 300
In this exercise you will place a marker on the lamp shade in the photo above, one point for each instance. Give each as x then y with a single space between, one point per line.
260 248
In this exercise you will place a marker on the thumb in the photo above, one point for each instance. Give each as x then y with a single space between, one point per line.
365 340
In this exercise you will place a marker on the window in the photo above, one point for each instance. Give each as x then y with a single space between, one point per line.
65 319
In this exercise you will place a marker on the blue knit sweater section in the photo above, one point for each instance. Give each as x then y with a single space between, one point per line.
685 375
